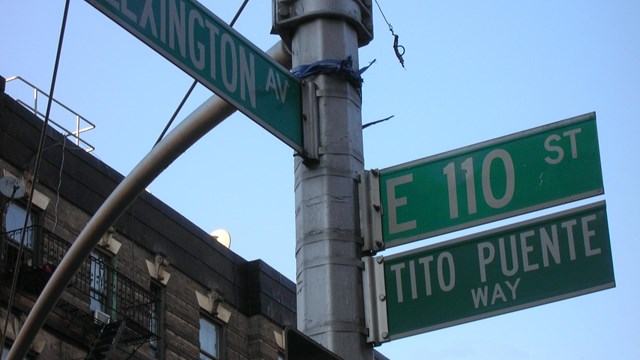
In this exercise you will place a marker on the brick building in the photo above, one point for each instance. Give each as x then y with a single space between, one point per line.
156 287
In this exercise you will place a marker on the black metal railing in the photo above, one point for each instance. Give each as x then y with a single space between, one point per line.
119 296
41 248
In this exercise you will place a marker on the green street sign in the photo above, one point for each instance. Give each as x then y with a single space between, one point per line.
202 45
519 266
493 180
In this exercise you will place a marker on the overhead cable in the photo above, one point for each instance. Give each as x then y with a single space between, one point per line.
34 180
195 82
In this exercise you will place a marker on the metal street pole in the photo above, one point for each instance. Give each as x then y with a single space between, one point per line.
328 242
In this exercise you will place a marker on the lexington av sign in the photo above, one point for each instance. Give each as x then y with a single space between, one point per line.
202 45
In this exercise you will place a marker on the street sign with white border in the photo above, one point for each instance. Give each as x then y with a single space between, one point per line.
493 180
518 266
202 45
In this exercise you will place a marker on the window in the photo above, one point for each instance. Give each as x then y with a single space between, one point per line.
14 220
209 339
156 317
99 289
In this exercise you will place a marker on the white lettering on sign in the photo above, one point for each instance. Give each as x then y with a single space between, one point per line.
487 190
128 13
502 262
539 241
503 255
452 271
213 34
485 260
396 268
276 84
568 225
445 270
197 58
229 69
550 245
526 250
148 17
177 26
480 296
188 34
247 77
490 198
395 202
427 273
551 144
587 235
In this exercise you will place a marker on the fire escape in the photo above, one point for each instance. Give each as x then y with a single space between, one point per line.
126 314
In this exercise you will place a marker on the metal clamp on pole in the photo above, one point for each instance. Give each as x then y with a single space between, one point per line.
370 212
310 121
288 14
375 296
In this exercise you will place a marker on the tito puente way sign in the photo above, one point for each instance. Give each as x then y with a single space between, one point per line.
499 271
508 176
202 45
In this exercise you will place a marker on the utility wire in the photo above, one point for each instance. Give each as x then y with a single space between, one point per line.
235 18
34 179
195 82
175 113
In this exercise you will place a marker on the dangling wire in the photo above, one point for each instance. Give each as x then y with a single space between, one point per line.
397 48
55 208
195 82
35 170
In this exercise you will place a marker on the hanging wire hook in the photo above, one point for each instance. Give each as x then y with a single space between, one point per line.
398 49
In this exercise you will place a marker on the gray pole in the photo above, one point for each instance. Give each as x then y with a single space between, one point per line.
191 129
329 269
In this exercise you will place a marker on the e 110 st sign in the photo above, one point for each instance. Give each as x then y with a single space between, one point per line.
519 266
508 176
202 45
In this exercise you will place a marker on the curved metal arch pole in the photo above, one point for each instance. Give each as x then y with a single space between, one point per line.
207 116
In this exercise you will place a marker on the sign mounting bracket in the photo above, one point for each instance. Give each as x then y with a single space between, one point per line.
375 297
370 212
310 121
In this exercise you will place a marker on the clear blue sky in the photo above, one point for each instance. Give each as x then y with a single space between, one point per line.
474 71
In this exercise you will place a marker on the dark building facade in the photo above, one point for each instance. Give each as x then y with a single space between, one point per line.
155 287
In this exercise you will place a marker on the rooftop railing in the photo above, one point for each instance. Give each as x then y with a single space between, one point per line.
82 125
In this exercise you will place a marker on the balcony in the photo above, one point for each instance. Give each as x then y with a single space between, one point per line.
119 298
